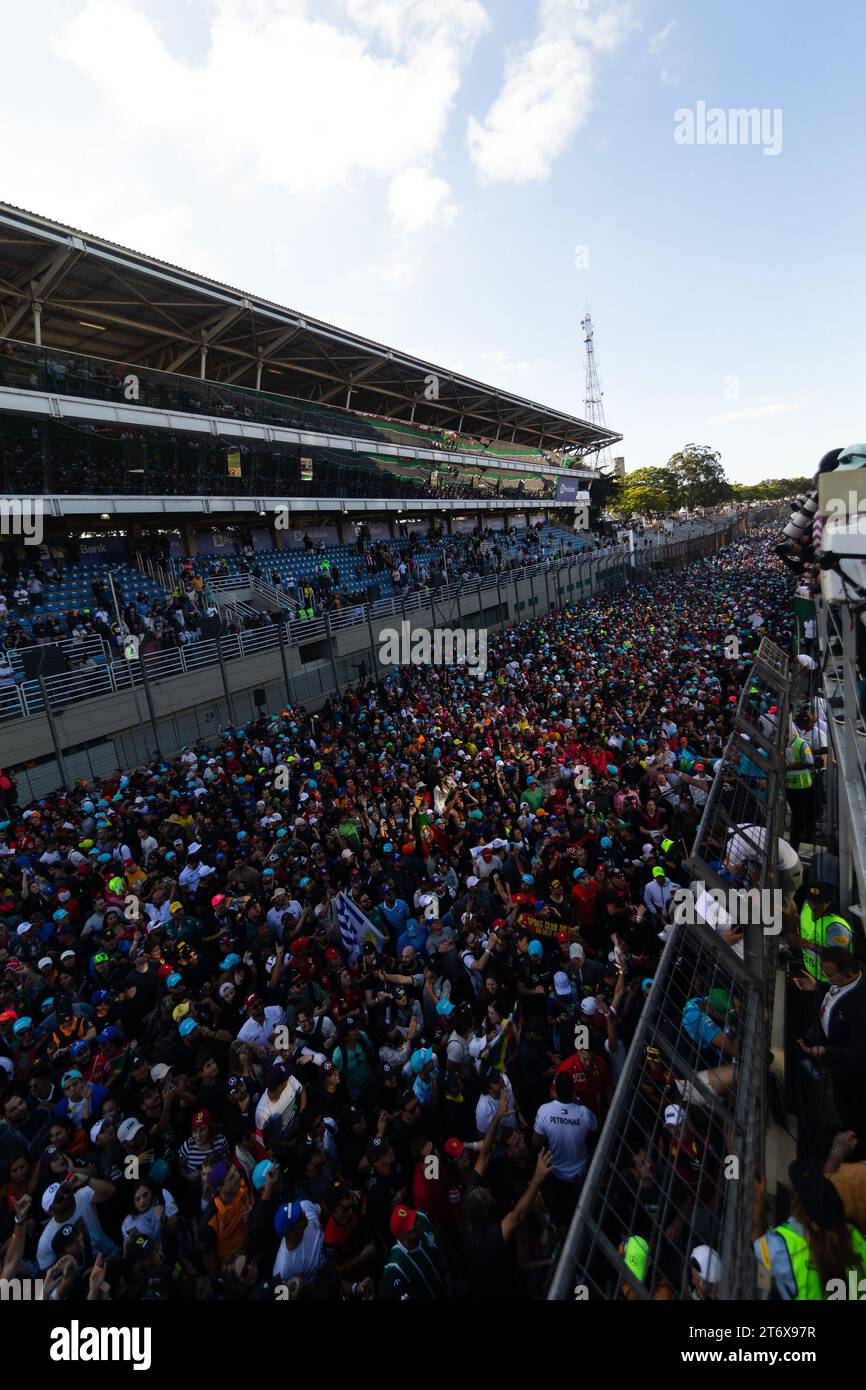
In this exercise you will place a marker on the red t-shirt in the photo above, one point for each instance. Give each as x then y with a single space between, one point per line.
590 1079
584 895
430 1194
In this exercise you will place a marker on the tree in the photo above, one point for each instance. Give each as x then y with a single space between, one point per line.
649 491
605 494
700 476
772 489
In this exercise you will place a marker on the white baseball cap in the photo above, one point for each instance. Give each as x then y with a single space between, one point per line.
576 951
674 1115
48 1196
562 984
708 1263
129 1129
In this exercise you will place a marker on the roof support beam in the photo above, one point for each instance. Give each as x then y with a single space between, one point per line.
39 286
209 334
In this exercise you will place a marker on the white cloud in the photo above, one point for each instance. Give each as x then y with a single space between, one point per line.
417 199
300 103
398 272
546 94
761 410
501 363
658 41
398 23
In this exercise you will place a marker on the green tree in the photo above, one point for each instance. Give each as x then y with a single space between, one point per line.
772 489
700 476
605 494
649 491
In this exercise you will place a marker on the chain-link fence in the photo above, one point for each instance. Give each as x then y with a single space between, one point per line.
668 1197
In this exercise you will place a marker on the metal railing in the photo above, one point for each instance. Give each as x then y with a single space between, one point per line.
703 1169
113 675
31 368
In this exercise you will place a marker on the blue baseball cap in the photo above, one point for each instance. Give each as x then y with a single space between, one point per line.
536 948
288 1215
260 1172
421 1058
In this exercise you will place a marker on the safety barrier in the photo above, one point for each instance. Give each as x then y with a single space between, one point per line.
703 1169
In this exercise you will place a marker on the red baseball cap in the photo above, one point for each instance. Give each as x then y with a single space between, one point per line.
403 1220
201 1118
454 1147
251 999
563 937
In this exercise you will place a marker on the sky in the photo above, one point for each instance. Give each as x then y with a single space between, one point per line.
464 179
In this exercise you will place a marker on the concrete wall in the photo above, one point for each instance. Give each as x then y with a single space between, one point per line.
100 735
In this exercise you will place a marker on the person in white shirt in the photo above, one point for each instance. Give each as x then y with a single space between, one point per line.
493 1084
149 1215
74 1201
280 1107
658 893
148 845
300 1251
746 845
564 1128
192 874
262 1020
159 909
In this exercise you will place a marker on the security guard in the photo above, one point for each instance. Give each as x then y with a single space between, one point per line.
799 788
820 926
788 1252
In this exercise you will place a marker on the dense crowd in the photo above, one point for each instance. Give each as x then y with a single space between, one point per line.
293 1014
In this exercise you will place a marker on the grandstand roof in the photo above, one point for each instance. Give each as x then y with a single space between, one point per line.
103 298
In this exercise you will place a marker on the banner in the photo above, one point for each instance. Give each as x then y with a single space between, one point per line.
112 547
540 926
571 490
233 460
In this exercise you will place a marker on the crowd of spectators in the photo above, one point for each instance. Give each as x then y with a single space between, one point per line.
293 1014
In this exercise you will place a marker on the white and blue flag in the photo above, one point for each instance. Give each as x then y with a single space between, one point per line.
355 928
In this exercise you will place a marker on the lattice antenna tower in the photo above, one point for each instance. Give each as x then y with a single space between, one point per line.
593 400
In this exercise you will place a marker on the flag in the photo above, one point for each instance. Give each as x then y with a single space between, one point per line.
355 928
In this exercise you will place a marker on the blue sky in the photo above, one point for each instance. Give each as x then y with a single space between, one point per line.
463 178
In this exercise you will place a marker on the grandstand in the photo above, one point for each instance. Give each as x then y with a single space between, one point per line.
209 461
